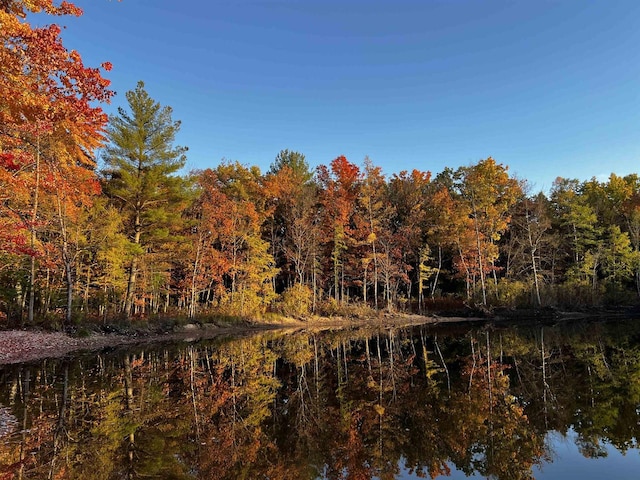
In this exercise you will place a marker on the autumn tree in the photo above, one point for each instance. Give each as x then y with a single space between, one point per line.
371 223
72 198
410 194
102 263
251 264
450 227
289 188
489 193
205 263
340 184
141 163
529 246
49 118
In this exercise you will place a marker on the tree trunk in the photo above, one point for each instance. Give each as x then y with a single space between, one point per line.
128 387
34 218
66 259
375 276
435 280
85 297
194 276
131 282
364 284
480 264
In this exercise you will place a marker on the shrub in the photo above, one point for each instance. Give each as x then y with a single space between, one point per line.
244 303
578 293
296 301
513 293
329 307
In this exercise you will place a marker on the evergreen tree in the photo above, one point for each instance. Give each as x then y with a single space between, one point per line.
141 161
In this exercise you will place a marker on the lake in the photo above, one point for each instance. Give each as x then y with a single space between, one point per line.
456 401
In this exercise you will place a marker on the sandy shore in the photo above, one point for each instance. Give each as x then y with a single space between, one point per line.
17 346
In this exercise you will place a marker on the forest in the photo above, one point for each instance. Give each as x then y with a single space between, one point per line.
99 220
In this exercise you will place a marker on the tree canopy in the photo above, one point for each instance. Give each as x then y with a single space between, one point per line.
142 237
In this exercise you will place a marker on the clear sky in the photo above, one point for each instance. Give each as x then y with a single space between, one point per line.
550 88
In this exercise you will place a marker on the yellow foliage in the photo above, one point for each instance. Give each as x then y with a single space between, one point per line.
296 301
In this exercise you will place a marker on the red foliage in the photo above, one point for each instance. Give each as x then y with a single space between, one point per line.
48 113
8 161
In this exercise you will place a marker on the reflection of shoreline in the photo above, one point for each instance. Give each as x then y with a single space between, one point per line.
20 346
8 423
485 400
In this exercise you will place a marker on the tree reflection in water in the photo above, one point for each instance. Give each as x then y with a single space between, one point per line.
346 404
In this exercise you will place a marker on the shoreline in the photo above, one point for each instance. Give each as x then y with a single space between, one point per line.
24 346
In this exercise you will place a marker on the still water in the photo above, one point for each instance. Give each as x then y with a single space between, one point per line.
550 402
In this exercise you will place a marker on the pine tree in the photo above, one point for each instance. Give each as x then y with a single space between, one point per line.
141 162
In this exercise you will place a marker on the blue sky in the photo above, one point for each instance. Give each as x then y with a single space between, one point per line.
550 88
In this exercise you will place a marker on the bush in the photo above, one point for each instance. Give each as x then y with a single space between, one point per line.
296 301
578 293
358 310
332 307
513 293
329 307
245 303
617 294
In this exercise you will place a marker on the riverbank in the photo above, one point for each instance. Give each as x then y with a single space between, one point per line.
19 346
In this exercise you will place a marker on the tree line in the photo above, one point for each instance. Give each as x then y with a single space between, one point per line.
136 236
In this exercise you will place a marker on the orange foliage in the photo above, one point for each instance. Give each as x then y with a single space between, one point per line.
47 111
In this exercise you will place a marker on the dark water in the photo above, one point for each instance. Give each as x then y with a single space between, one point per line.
508 403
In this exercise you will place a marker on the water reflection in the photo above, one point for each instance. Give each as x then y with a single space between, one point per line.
351 404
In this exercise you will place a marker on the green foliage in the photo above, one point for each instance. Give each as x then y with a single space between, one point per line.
578 292
141 165
295 161
576 217
140 179
513 293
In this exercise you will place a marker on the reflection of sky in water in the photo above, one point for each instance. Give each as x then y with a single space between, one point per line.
569 463
8 422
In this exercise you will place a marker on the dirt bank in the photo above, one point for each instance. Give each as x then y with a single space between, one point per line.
17 346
